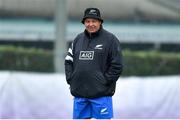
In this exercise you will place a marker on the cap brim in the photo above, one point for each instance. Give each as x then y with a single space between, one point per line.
94 17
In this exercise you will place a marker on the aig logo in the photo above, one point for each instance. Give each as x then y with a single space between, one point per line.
86 55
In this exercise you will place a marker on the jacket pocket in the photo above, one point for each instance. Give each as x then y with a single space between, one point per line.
100 78
108 79
75 82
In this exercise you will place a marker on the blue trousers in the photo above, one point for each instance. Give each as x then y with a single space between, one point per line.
98 108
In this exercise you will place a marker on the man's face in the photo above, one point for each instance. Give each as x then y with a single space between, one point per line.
92 25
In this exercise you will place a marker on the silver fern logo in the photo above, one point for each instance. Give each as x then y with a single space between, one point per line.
93 12
99 47
104 111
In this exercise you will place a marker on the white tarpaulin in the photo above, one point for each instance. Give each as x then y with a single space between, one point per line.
33 95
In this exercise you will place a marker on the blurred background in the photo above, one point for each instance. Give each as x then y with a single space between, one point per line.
35 35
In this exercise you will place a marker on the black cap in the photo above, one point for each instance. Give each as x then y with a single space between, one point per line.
92 13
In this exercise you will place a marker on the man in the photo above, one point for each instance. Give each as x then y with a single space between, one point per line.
93 65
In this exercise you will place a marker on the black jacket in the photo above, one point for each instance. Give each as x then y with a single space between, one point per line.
93 64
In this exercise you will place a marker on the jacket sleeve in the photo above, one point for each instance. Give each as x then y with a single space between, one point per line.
69 64
114 62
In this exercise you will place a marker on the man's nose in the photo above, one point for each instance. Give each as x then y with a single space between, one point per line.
90 23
